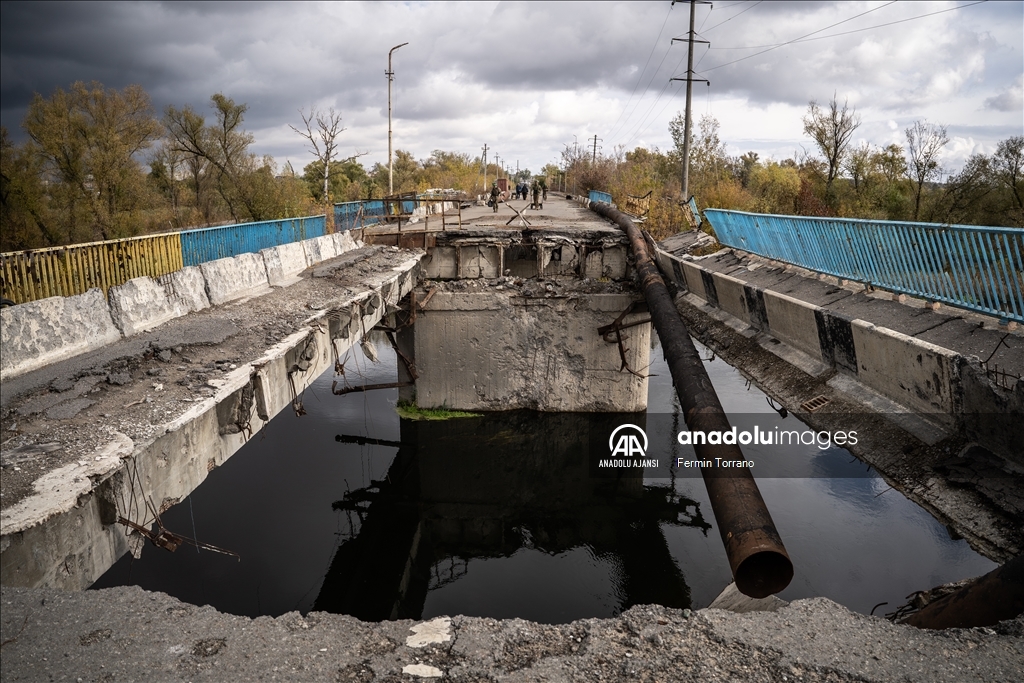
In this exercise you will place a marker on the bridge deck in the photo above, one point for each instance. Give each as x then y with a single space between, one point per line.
141 384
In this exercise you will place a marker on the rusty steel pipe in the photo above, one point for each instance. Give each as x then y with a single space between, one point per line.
758 559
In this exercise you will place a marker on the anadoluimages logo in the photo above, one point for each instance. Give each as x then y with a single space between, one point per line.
628 442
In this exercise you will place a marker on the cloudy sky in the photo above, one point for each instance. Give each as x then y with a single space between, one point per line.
527 79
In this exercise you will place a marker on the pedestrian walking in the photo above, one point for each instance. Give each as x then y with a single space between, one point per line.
495 195
536 196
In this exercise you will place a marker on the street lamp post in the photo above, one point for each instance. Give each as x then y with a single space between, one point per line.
391 76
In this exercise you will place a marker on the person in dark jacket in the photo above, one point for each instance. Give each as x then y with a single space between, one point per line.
495 194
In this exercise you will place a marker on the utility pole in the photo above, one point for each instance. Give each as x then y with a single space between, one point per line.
485 166
691 39
391 76
497 162
595 147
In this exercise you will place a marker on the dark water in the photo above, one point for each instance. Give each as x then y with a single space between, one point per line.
501 516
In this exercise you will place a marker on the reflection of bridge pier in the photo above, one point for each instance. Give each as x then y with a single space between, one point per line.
487 487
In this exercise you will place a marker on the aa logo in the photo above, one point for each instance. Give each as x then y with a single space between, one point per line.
628 441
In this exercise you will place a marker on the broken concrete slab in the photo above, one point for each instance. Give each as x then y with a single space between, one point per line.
808 640
67 410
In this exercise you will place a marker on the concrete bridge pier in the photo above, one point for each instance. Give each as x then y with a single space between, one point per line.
535 346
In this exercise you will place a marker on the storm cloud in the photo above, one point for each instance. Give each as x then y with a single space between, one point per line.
527 79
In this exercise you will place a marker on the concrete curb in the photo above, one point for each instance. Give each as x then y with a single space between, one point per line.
236 277
187 287
48 330
284 263
320 249
141 304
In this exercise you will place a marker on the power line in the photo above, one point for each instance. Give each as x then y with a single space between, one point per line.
733 16
805 36
644 70
856 30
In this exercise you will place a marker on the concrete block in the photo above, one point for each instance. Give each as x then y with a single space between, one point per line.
319 249
233 278
731 296
187 288
614 263
141 304
479 261
558 259
284 263
343 242
441 264
914 373
594 265
694 280
40 332
792 322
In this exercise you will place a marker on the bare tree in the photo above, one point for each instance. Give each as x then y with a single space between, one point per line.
924 142
831 130
322 131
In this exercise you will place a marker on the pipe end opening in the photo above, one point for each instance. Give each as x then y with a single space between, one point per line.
763 574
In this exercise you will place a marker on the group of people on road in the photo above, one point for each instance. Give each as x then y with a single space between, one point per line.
538 188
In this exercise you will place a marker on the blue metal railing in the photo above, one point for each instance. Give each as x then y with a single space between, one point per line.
977 268
598 196
209 244
349 215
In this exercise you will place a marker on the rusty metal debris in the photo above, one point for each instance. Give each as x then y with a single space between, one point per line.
815 404
639 207
161 537
616 328
366 387
758 559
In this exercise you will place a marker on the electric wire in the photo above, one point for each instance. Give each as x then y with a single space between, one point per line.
856 30
790 42
732 17
805 38
640 78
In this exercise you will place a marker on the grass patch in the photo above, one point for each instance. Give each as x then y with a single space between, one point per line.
410 411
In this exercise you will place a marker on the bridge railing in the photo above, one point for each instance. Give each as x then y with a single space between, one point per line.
77 268
209 244
598 196
971 267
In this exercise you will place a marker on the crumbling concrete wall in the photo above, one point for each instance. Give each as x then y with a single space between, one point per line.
496 350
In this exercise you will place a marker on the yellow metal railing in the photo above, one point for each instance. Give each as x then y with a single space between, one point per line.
74 269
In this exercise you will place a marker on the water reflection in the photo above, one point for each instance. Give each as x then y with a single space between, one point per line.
521 491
